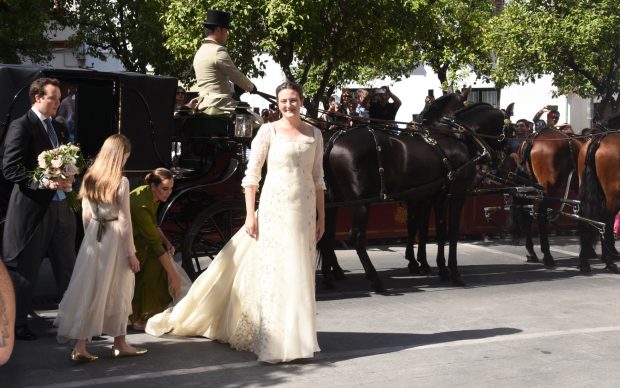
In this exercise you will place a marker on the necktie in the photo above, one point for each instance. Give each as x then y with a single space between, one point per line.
50 132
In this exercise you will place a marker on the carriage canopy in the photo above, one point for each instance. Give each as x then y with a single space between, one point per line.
137 105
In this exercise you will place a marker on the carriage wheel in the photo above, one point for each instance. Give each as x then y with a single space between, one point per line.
208 234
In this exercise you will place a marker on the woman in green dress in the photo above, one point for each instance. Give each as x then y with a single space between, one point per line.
158 280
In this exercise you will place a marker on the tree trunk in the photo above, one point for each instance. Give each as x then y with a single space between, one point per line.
442 74
607 107
318 96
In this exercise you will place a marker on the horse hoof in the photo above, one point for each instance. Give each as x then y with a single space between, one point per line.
532 259
458 282
548 262
585 268
612 268
414 269
328 284
426 271
444 276
338 274
378 287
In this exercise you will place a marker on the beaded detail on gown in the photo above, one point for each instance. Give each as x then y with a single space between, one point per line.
259 295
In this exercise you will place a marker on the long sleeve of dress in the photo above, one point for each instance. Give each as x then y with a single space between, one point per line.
317 167
124 219
258 155
87 213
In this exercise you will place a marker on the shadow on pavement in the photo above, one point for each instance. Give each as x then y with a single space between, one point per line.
338 346
399 281
200 362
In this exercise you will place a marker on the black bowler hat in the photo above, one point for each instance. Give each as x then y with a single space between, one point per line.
217 18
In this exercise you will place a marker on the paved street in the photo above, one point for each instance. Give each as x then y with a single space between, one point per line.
514 325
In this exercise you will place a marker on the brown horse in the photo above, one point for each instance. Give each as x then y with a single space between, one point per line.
599 162
548 158
363 166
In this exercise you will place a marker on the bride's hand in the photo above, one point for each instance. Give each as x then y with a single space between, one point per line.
134 264
251 225
320 229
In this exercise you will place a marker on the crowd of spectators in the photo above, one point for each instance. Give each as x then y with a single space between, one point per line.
363 105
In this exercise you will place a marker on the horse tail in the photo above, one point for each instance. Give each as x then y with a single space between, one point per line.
591 197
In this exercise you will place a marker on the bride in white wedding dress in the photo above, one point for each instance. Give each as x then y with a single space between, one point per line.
258 294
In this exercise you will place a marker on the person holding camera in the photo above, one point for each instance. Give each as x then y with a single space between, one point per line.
381 108
553 116
335 115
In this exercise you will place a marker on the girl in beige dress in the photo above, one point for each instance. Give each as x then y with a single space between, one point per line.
98 299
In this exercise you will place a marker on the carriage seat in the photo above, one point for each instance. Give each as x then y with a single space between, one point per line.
203 127
199 134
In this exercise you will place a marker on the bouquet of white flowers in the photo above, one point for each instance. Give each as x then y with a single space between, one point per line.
60 162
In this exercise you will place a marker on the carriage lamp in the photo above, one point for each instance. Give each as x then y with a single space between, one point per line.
243 121
175 153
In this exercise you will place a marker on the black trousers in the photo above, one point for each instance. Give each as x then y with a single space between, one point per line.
54 238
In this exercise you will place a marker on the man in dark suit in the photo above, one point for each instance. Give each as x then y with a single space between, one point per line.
39 222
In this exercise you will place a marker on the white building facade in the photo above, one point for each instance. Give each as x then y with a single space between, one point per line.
66 57
412 91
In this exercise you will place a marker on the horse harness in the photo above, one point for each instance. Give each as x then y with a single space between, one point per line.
526 157
417 130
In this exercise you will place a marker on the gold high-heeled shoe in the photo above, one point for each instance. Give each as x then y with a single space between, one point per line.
120 353
79 357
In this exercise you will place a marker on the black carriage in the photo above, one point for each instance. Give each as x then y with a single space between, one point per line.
206 153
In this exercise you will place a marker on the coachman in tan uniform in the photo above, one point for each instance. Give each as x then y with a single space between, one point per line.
214 68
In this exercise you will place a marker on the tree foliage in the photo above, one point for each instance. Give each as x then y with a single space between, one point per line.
449 36
577 42
320 44
24 28
131 30
183 31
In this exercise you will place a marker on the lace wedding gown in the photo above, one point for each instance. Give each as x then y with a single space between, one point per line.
258 295
98 299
